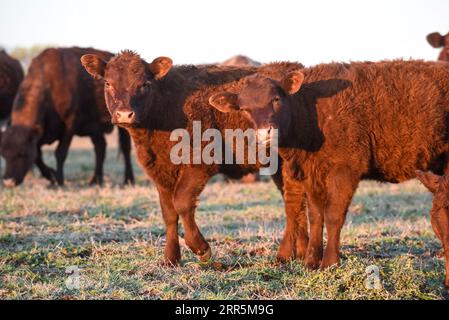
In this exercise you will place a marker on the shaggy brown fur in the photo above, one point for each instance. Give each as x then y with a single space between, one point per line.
11 75
157 104
56 101
436 40
348 122
439 214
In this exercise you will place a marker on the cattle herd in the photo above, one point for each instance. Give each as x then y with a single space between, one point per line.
337 124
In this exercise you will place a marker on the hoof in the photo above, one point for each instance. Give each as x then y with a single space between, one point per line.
325 266
283 259
312 264
440 254
96 182
205 257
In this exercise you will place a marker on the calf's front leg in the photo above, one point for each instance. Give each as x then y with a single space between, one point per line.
314 251
295 240
172 253
47 172
188 188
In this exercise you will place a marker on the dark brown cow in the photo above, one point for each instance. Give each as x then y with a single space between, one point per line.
11 75
56 101
439 214
153 99
340 123
436 40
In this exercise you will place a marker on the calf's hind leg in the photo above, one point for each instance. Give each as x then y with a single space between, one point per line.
190 184
440 224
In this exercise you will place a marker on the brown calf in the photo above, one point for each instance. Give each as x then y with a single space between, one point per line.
340 123
57 100
151 100
436 40
439 214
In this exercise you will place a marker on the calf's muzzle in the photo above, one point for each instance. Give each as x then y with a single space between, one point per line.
125 117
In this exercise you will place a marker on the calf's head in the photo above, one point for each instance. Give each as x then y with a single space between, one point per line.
267 102
19 148
436 40
129 84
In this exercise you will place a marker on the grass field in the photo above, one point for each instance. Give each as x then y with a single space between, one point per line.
115 236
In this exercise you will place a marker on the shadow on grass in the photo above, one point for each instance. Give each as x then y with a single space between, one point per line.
389 247
390 207
239 206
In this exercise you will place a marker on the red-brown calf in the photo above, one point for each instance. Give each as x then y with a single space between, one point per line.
341 123
151 100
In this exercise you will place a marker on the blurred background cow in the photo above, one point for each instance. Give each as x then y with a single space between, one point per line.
56 101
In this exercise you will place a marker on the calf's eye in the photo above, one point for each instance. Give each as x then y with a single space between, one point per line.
145 86
276 104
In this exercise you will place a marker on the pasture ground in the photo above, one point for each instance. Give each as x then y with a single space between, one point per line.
115 236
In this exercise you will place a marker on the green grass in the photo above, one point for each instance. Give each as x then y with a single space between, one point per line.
115 236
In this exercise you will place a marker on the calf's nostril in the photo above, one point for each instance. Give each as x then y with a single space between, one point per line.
125 116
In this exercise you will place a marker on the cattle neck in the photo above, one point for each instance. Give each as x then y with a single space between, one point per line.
165 111
303 135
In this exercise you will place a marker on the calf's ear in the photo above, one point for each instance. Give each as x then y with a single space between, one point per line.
94 65
430 180
224 101
292 82
160 66
435 39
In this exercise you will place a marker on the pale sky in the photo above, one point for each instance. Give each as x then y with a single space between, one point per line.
201 31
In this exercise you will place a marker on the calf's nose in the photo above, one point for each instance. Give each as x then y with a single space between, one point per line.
9 183
127 117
